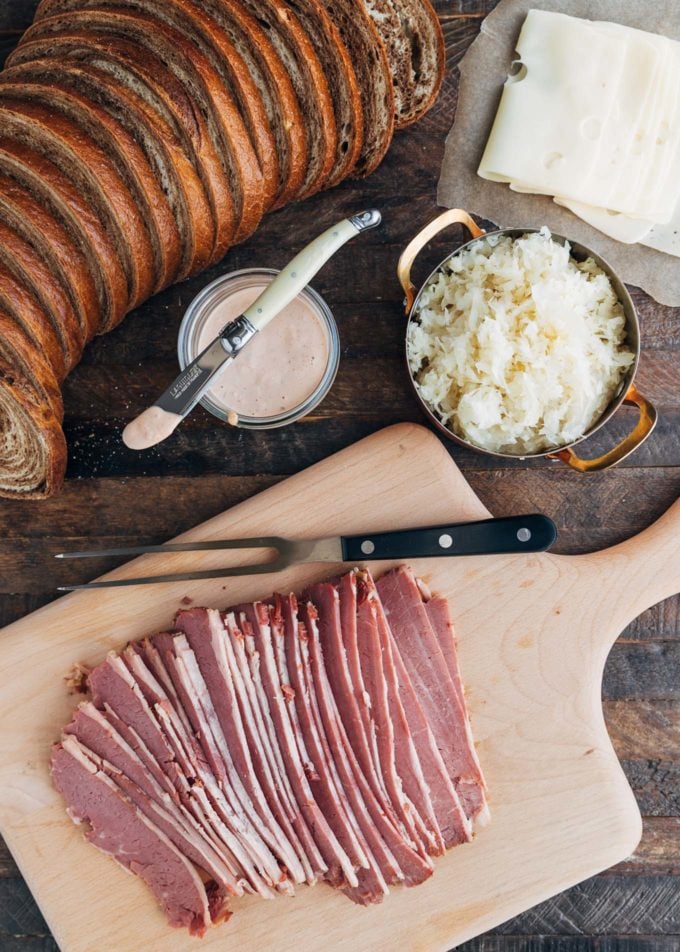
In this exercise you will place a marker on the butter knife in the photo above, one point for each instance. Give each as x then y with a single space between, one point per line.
157 422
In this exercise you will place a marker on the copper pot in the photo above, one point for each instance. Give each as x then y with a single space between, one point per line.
626 393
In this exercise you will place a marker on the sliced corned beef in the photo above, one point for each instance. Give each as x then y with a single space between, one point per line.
92 729
451 819
205 633
390 733
279 743
252 643
432 682
234 825
397 858
118 828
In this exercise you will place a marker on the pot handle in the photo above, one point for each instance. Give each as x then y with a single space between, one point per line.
644 427
414 247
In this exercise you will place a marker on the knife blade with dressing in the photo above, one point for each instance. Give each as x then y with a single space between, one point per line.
156 423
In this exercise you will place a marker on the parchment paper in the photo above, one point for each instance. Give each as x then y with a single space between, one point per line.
483 71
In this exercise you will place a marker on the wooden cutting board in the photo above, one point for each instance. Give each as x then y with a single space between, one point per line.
534 633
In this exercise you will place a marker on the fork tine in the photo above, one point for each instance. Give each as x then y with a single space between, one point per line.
257 542
259 568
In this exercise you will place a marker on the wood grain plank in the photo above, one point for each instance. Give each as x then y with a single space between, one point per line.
659 849
27 943
605 904
646 669
105 388
644 728
549 943
610 904
656 785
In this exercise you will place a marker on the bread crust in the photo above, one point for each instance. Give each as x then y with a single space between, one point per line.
275 112
82 160
343 85
19 300
61 254
193 69
25 354
55 192
369 57
160 177
195 25
310 84
281 102
58 90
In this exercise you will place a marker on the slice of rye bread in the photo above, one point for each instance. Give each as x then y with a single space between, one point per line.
18 300
204 85
311 87
412 34
371 65
385 16
88 167
145 78
64 200
215 44
162 179
32 444
64 91
48 237
282 108
342 81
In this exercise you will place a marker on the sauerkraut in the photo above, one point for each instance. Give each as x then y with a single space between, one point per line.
517 347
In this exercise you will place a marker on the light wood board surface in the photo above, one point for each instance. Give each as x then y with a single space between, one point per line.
534 633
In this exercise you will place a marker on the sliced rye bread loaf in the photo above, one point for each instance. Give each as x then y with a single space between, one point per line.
372 68
57 194
90 169
282 110
168 107
32 444
70 92
412 34
60 254
201 30
160 177
311 87
18 299
202 82
343 83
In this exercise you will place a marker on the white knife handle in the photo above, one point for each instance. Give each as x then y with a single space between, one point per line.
288 283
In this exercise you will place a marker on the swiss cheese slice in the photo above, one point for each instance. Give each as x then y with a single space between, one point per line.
592 117
546 132
621 227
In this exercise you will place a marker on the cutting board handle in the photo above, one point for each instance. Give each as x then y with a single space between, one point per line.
645 569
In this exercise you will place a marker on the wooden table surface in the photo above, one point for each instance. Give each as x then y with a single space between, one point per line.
120 497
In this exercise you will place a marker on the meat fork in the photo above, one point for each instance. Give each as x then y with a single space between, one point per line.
512 534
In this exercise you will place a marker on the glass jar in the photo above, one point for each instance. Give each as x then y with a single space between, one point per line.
215 294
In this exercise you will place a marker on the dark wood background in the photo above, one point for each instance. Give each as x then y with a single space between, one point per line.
118 496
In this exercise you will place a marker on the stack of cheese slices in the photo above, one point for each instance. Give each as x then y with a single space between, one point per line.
591 116
140 139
